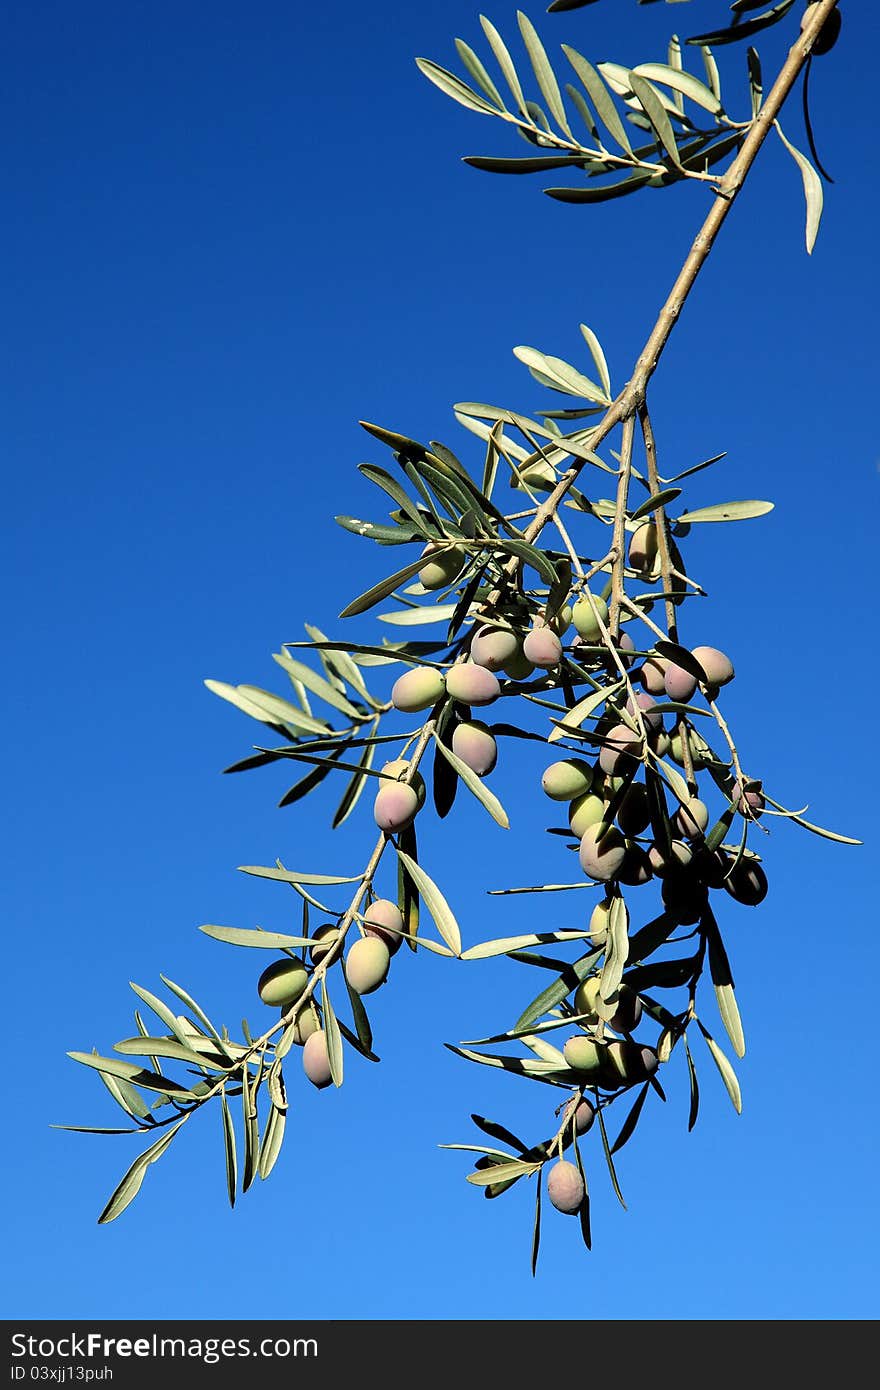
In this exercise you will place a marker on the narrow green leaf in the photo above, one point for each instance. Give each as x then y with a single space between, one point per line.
722 979
612 1172
191 1004
131 1182
440 911
746 28
453 87
560 375
281 875
128 1071
376 531
756 81
418 617
407 893
656 112
251 1128
478 72
813 193
617 951
627 1129
697 468
263 940
545 1051
341 664
388 484
279 711
229 1148
161 1011
531 555
536 1229
503 945
298 670
273 1137
520 1066
543 72
598 357
728 1075
97 1129
517 1168
333 1035
312 779
713 76
359 1014
581 711
498 1131
352 793
125 1095
658 499
673 51
529 164
372 596
159 1047
682 82
816 829
601 98
487 799
554 994
584 111
505 63
694 1086
236 695
727 511
602 194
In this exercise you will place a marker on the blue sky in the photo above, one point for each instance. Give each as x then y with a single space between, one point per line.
231 233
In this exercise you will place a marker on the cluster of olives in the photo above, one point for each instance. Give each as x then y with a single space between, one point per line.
608 810
605 1063
366 967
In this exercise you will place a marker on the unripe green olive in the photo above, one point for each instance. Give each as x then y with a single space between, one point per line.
583 1054
585 811
366 965
602 858
567 779
587 996
583 615
307 1024
282 982
518 668
471 684
417 689
443 565
598 924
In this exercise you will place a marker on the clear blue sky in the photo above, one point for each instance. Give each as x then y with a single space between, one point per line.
231 232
